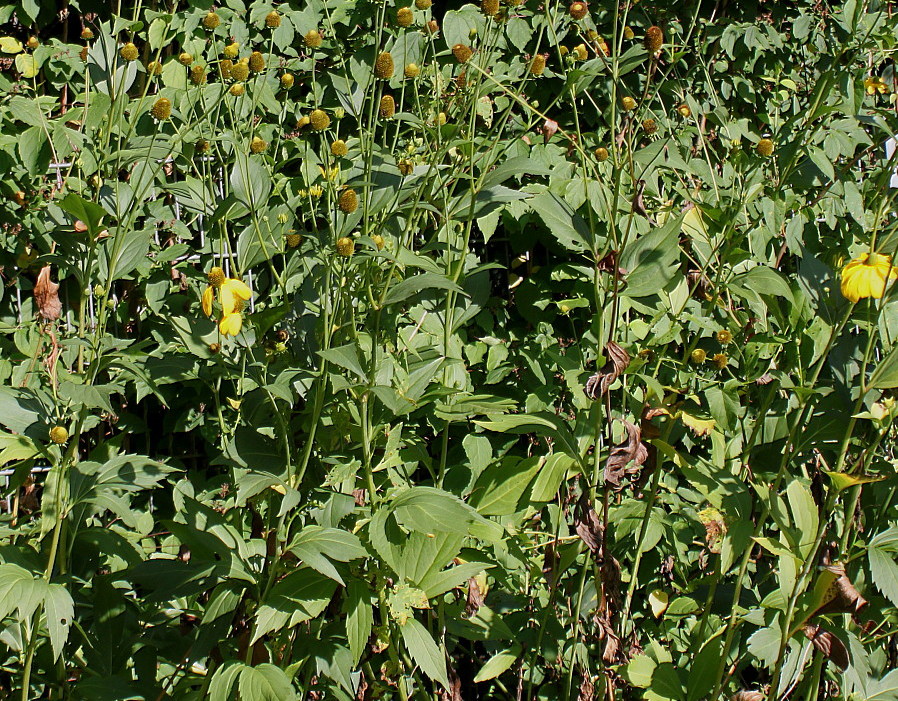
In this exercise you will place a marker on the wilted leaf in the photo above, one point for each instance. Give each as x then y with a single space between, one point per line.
747 696
835 593
830 645
46 295
618 360
632 450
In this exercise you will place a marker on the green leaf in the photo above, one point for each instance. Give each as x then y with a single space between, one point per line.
316 546
498 664
27 65
886 374
250 181
500 488
431 510
9 45
884 572
359 617
565 225
424 651
300 596
638 671
59 610
652 259
413 286
551 475
223 680
265 683
543 422
345 357
89 212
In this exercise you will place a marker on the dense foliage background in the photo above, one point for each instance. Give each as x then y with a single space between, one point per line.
524 370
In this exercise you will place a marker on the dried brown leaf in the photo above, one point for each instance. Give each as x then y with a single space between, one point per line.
589 527
587 688
475 598
617 361
829 644
841 596
46 295
631 450
747 696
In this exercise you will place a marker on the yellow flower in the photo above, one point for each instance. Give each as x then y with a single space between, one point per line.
331 173
231 324
867 276
231 292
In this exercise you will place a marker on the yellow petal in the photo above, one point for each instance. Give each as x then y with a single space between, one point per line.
208 296
239 288
231 292
230 324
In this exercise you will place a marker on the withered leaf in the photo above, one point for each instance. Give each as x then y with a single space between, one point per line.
589 526
840 596
617 361
631 450
747 696
475 598
46 295
829 644
587 688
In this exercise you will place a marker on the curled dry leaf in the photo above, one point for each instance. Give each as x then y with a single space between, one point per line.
835 593
46 295
829 644
589 527
631 450
550 126
617 361
80 226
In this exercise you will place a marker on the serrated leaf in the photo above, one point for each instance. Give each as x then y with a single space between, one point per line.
359 617
59 610
424 651
884 572
265 683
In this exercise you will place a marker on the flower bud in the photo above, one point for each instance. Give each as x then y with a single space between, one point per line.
319 120
258 145
161 109
383 66
59 435
256 62
462 53
211 20
348 201
577 10
654 39
405 16
312 39
345 246
387 106
128 52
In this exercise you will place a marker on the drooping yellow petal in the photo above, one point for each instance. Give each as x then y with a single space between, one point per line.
230 324
231 291
208 296
867 276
